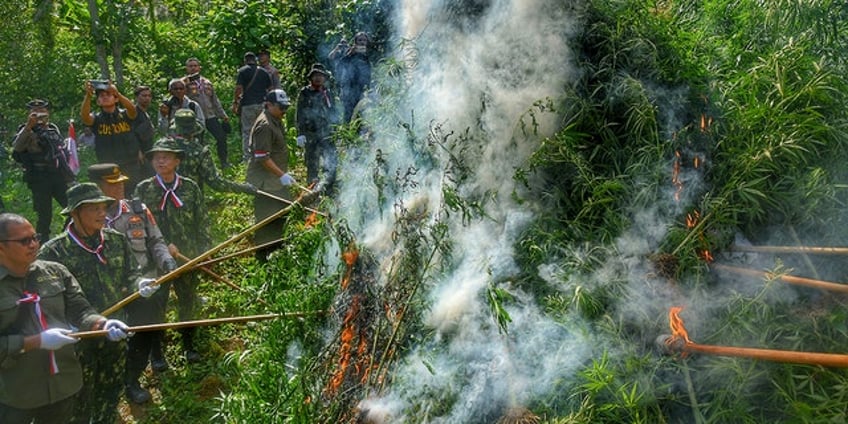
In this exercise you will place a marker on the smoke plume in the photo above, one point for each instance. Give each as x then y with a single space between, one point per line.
479 67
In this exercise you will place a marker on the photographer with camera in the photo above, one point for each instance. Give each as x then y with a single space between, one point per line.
201 90
114 140
178 100
39 148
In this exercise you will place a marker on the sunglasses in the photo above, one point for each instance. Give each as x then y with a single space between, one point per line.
26 241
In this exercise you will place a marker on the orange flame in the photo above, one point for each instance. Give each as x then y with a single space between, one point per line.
349 257
348 331
692 219
676 324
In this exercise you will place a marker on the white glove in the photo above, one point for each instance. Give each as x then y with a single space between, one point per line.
301 140
55 338
146 288
287 180
117 330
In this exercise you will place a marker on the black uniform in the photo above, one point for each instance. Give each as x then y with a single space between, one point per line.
46 172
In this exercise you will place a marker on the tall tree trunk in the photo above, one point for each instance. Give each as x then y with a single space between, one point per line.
125 13
99 39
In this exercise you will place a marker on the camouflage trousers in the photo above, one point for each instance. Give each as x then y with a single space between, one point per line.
103 381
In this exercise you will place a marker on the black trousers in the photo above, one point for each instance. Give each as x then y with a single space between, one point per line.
217 131
45 187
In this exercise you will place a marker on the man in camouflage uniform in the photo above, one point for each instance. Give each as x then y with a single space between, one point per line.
177 205
134 220
197 162
41 302
38 147
107 272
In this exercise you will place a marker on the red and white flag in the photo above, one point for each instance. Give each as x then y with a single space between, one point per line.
71 148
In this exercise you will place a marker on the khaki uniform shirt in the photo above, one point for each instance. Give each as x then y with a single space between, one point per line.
268 141
25 378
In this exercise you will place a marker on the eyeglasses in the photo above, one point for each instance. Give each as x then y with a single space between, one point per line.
26 241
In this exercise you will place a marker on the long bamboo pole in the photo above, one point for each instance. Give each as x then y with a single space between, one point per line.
191 264
813 250
198 323
791 279
220 278
287 201
834 360
242 252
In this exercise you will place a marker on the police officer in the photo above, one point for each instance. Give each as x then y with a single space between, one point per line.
134 220
39 147
107 270
268 168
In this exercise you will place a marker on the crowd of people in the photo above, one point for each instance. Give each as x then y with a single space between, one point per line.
141 210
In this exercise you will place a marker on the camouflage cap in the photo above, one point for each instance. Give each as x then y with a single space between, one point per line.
85 193
166 144
185 122
107 172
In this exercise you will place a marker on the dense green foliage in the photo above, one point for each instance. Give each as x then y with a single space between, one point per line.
742 101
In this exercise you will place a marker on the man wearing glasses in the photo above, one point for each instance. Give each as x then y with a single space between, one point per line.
39 302
178 100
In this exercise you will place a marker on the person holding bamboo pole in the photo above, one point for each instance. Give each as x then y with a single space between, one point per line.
181 214
106 269
133 219
43 301
267 168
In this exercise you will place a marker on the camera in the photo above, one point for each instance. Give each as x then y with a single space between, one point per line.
99 85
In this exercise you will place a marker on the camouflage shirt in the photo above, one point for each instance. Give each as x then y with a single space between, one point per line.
105 277
198 165
25 378
184 222
134 220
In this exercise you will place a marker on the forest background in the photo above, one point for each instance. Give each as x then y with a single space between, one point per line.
687 131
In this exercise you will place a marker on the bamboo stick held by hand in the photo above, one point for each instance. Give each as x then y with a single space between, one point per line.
191 264
219 277
197 323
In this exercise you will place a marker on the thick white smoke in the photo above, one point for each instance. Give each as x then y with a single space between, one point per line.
479 71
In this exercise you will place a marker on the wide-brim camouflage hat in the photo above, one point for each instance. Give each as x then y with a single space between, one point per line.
166 144
83 193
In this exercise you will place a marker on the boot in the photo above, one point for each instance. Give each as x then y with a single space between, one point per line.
135 393
157 357
191 355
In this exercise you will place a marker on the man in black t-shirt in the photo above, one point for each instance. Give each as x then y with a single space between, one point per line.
252 83
114 140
